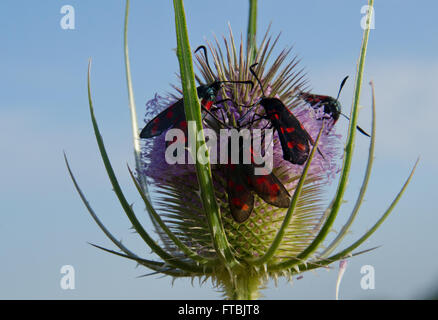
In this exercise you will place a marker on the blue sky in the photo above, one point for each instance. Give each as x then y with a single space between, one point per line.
43 108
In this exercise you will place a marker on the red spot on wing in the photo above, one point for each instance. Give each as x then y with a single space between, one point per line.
290 144
239 188
313 99
239 204
207 103
260 180
169 114
271 190
289 130
155 128
275 188
301 146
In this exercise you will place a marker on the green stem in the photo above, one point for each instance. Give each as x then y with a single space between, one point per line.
349 148
136 140
244 287
348 156
280 233
347 251
345 229
192 110
252 30
172 260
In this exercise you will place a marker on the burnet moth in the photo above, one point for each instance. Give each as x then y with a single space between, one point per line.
293 137
242 183
331 107
242 180
174 116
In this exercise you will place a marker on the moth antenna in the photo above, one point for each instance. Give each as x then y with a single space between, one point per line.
216 118
341 86
246 82
357 127
255 76
345 116
203 48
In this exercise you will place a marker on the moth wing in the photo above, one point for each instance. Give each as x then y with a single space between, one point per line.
268 187
181 125
164 120
240 197
315 100
294 139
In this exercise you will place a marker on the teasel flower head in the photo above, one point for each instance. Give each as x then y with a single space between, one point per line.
177 183
176 195
189 206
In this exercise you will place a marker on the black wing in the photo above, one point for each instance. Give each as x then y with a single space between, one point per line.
168 118
240 197
293 137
